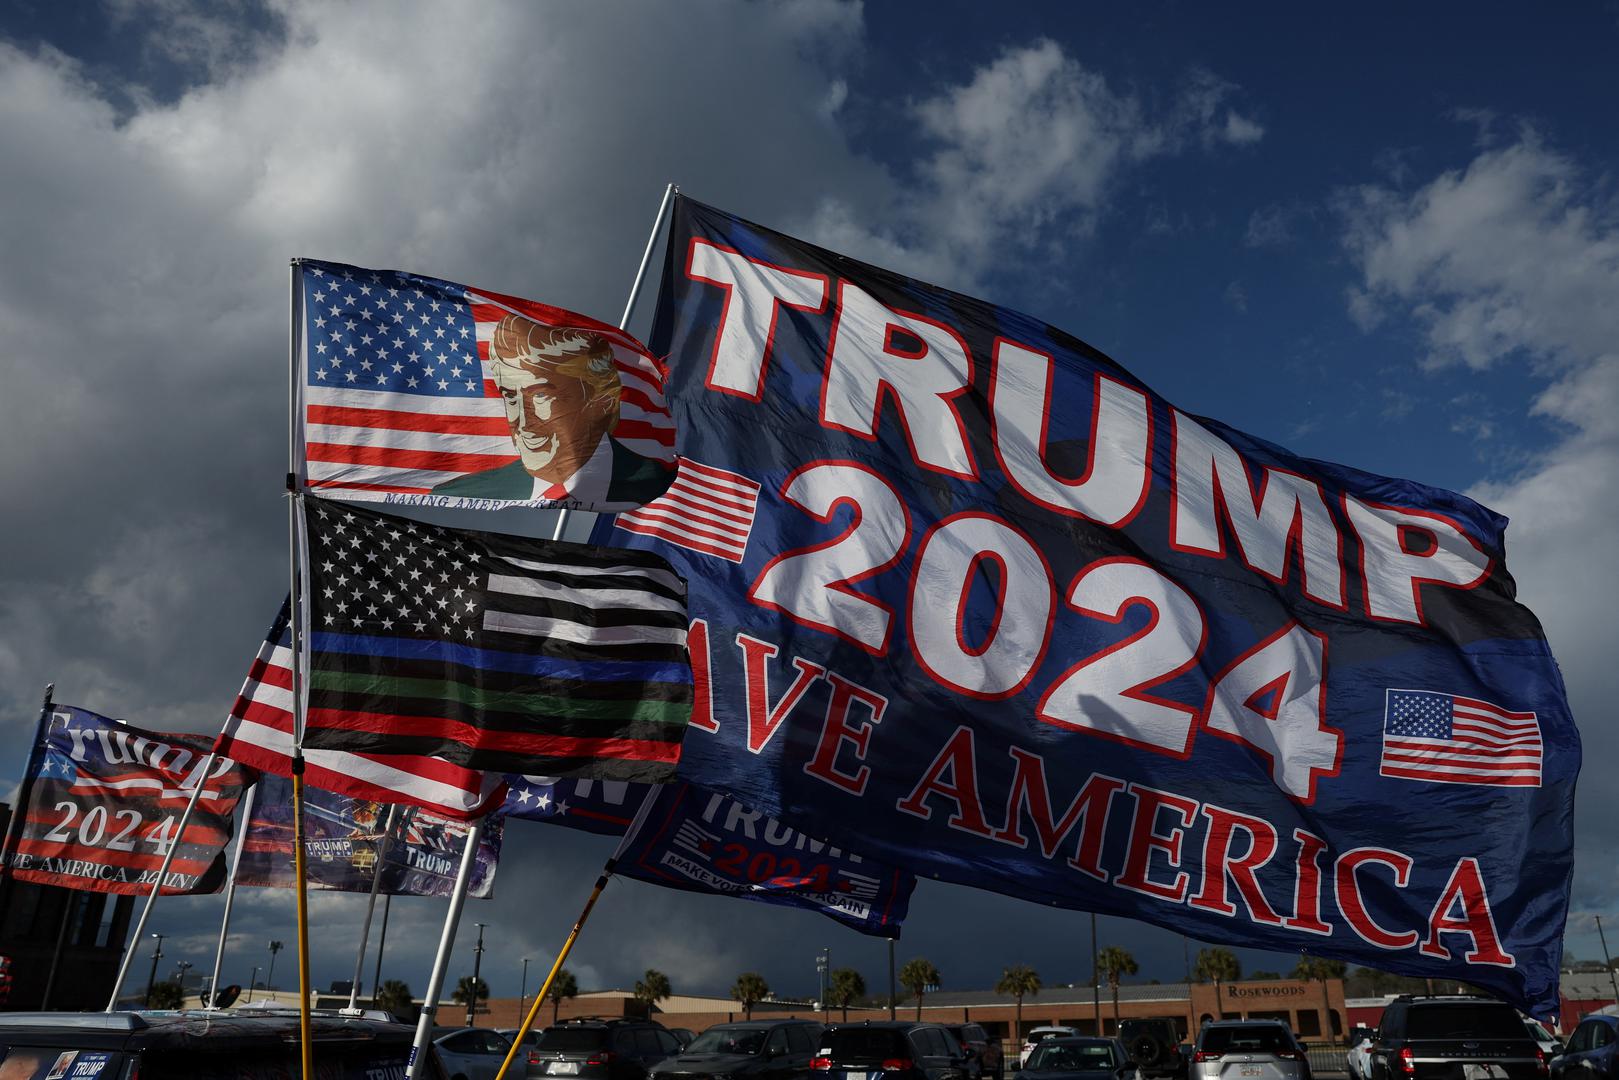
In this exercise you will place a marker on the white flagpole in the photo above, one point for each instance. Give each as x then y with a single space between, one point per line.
629 307
371 906
162 872
446 943
230 896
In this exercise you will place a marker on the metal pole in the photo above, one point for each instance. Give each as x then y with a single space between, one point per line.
230 896
1608 962
435 983
893 1001
1096 978
523 995
157 954
306 1046
252 981
629 305
56 955
162 872
477 966
25 788
371 905
382 939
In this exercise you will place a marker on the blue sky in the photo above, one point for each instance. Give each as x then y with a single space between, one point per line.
1386 236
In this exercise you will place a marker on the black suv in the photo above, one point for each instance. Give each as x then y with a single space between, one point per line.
761 1049
894 1049
985 1051
199 1045
602 1048
1154 1046
1442 1038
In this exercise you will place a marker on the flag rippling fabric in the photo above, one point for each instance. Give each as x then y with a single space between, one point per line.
417 390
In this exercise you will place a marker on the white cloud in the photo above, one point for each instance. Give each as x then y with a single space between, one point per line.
1516 257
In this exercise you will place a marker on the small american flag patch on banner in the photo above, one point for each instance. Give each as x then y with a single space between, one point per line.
706 510
1457 740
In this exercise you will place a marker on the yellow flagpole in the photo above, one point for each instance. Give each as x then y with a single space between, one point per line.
562 957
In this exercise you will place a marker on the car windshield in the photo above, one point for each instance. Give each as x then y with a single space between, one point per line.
577 1038
1482 1019
1071 1057
724 1040
1258 1039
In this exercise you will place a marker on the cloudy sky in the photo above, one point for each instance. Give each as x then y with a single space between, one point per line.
1387 237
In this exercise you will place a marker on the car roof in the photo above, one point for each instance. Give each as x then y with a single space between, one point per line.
891 1025
1075 1040
1258 1020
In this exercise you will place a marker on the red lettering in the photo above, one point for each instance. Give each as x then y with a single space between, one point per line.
1307 886
960 759
1466 889
837 730
702 694
1218 864
763 718
1145 839
1353 906
1088 809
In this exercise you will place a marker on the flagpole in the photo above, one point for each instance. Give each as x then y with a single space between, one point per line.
446 943
230 896
573 935
296 627
371 906
157 886
629 306
25 789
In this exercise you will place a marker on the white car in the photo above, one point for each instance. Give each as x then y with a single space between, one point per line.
1360 1057
472 1053
1038 1035
1544 1039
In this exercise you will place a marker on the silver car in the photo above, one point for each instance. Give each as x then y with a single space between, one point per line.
1248 1050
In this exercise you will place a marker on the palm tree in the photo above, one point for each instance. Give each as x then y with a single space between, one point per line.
919 976
1319 967
393 996
1113 962
1219 966
1018 980
166 995
470 991
652 989
563 986
846 985
750 989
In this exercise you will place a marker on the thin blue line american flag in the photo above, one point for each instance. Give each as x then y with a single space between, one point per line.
1450 739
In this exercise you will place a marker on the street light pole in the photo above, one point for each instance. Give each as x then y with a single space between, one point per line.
477 963
523 994
251 981
183 966
151 980
823 963
269 978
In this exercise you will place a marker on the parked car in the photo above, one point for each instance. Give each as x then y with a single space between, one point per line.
601 1049
1086 1058
889 1050
1039 1034
1591 1050
985 1052
683 1036
1549 1044
1439 1038
1154 1045
199 1045
1248 1050
761 1049
472 1053
1360 1052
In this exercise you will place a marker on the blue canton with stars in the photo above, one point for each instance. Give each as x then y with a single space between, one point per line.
389 331
1418 714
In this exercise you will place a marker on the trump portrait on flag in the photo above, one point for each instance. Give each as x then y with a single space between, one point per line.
561 391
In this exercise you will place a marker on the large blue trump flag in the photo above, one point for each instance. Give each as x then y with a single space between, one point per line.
970 598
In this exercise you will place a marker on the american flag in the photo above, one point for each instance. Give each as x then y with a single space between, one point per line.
1458 740
398 394
706 510
259 733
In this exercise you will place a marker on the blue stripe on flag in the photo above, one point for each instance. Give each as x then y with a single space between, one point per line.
499 660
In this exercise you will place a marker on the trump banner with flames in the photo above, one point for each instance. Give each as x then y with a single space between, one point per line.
968 597
417 391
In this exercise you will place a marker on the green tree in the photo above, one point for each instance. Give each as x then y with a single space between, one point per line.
1219 966
394 996
652 989
750 989
1017 981
165 995
845 986
563 986
470 991
919 976
1113 962
1264 974
1321 969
